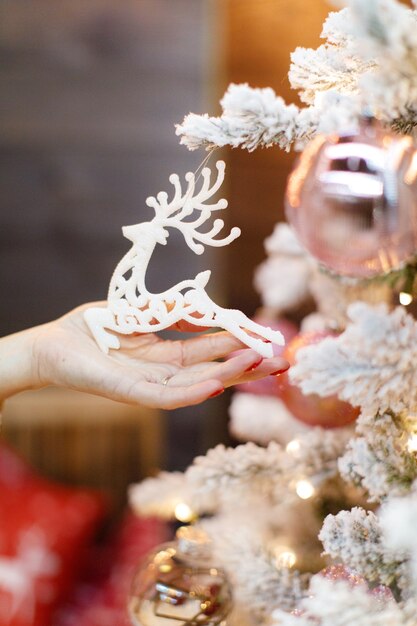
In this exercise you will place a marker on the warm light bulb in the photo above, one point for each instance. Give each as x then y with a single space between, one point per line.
304 489
183 513
412 443
293 446
284 557
405 298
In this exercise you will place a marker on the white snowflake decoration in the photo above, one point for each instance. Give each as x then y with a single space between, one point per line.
132 308
19 573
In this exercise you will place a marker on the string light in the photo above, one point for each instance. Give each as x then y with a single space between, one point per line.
293 446
184 513
412 443
304 489
405 298
284 557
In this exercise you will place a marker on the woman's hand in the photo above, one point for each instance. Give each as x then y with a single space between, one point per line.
145 370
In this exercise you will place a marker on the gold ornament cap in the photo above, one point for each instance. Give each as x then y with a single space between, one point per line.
193 542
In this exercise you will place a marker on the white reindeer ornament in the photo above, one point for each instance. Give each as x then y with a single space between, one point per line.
132 308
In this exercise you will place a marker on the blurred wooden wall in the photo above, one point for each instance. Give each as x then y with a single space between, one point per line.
260 34
90 91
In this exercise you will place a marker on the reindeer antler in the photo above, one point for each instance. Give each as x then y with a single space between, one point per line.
181 206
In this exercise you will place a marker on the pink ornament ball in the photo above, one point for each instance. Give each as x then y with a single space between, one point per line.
352 200
312 409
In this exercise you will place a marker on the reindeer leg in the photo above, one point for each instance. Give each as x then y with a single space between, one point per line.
239 331
241 326
263 331
233 321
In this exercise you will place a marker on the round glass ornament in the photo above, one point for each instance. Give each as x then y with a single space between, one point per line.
352 200
178 586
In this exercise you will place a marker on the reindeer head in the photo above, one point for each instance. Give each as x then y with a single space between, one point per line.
145 233
178 212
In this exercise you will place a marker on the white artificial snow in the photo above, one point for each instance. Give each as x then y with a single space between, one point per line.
355 538
331 603
369 60
251 118
263 419
283 241
371 364
283 284
379 458
283 279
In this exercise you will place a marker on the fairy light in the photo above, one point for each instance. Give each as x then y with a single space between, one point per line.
412 443
284 557
293 446
304 489
183 513
405 298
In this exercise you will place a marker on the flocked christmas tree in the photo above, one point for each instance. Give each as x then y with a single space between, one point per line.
314 519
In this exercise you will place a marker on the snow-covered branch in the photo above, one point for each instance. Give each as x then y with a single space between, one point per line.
283 279
217 480
262 419
251 118
330 603
260 586
355 538
369 60
398 521
160 495
371 364
380 458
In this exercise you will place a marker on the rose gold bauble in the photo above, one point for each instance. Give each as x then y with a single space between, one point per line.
352 200
178 584
312 409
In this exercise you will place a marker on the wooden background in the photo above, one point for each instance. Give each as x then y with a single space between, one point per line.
260 36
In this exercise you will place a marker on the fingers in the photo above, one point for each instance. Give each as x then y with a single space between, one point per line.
209 347
228 371
131 384
246 367
168 397
268 367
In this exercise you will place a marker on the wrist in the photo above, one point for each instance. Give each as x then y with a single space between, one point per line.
18 364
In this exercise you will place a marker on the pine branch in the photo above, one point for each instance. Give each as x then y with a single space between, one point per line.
355 537
331 603
369 60
371 364
379 459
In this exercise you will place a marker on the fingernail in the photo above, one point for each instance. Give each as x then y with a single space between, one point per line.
254 366
285 369
216 393
267 341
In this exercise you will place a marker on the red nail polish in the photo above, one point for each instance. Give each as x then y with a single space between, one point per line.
254 366
216 393
285 369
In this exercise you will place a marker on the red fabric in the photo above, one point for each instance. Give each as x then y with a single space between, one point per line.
101 598
44 531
